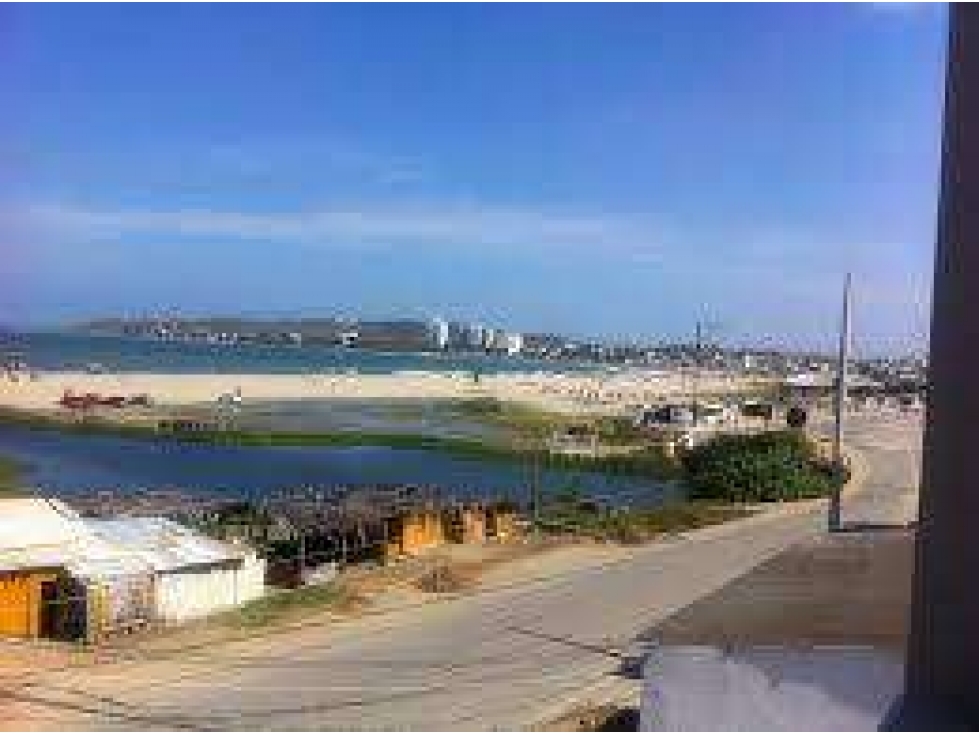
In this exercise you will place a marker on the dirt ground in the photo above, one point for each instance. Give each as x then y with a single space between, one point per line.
599 717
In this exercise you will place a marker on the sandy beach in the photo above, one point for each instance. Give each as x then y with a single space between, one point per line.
572 394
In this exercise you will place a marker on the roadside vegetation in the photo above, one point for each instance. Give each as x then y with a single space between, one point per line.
593 717
283 605
572 514
762 467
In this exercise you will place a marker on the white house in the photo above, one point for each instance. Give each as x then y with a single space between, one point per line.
193 575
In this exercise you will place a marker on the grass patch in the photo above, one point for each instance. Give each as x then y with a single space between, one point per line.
530 423
631 526
280 605
519 418
618 431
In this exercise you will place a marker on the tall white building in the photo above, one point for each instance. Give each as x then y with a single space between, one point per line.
440 333
513 344
476 337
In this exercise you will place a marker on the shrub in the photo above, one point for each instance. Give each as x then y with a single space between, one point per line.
764 467
635 525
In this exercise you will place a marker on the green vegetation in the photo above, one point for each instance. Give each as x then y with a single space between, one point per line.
530 424
618 431
570 514
523 420
10 472
649 462
764 467
279 605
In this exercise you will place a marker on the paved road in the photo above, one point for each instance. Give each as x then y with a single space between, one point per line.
889 445
501 659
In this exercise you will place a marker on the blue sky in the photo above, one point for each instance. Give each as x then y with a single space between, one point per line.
609 170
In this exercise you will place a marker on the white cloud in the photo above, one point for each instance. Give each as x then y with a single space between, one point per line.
332 155
446 225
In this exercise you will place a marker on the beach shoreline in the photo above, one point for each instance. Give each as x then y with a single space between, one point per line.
570 394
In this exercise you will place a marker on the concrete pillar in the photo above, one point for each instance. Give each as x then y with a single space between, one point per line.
942 678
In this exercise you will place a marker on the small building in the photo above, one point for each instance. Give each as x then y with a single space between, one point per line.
502 522
466 524
66 577
415 531
712 414
31 534
59 581
193 575
576 440
666 416
758 409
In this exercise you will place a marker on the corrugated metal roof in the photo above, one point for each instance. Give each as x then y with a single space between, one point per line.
26 522
100 560
37 533
42 533
163 544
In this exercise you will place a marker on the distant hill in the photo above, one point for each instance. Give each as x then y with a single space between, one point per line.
406 334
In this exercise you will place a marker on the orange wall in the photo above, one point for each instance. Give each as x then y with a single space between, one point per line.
423 530
418 531
20 602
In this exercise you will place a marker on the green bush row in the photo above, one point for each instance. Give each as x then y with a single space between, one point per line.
764 467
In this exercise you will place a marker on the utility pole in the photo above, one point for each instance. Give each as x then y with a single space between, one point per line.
535 497
695 386
839 409
302 556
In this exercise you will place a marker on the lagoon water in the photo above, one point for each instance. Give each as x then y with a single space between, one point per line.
63 464
67 463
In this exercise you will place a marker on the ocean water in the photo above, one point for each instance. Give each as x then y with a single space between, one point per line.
54 351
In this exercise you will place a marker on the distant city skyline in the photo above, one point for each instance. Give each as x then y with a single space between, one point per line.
618 171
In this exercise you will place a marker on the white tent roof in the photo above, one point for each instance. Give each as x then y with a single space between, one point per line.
45 533
162 544
32 521
34 532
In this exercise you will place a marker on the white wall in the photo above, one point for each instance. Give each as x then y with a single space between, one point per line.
251 579
193 592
